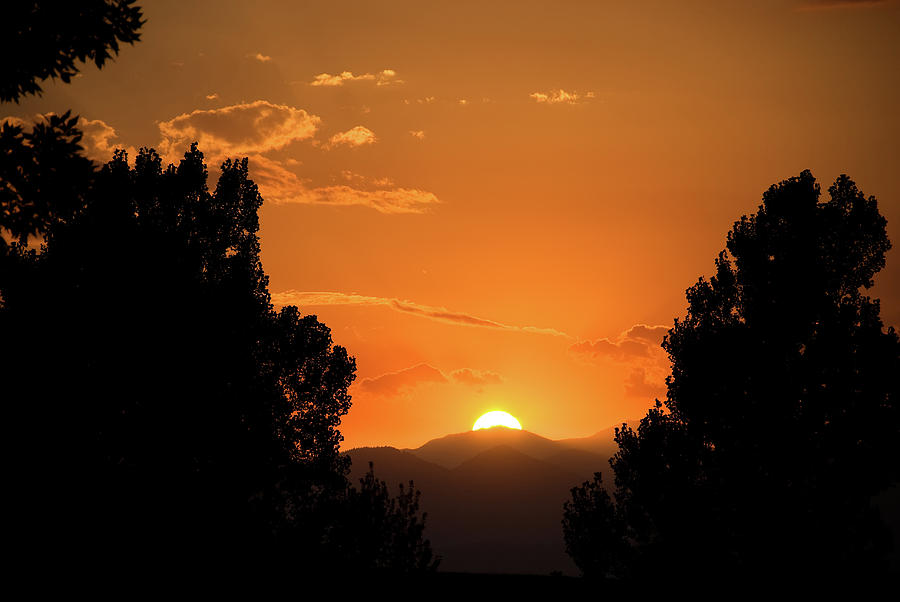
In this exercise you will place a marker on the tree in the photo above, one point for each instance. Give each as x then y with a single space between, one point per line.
43 175
781 420
162 405
382 532
159 407
47 38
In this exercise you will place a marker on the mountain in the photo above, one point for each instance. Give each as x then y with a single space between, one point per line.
602 442
453 450
494 497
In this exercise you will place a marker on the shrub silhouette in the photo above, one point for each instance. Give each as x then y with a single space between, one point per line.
781 420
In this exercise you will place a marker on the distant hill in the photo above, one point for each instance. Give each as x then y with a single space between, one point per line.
452 450
494 497
602 442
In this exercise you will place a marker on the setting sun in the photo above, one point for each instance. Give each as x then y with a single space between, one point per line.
497 418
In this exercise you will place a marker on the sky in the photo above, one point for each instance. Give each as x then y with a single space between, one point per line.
499 205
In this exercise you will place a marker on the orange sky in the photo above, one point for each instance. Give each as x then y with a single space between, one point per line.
497 205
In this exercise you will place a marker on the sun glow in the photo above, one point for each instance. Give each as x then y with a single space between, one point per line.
497 418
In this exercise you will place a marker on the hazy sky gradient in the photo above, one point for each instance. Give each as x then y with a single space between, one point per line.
486 198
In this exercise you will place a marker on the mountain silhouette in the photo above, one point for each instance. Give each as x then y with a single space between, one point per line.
494 496
452 450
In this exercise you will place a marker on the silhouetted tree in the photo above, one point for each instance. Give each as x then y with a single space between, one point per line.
43 175
781 420
149 360
157 406
382 532
161 404
39 40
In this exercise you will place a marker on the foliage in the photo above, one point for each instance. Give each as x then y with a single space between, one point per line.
45 39
161 408
383 532
160 397
43 175
781 420
592 536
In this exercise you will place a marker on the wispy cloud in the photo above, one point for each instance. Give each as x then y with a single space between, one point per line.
394 383
262 58
476 378
639 384
354 137
813 5
427 100
639 341
241 129
399 381
441 314
212 96
417 134
560 97
279 185
99 139
391 201
382 78
256 128
638 348
652 334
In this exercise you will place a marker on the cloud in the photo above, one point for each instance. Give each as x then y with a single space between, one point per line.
306 299
393 383
383 182
637 384
651 334
241 129
813 5
476 378
212 96
427 100
253 129
382 78
391 201
560 96
281 186
620 351
463 102
101 139
418 134
638 348
354 137
639 341
262 58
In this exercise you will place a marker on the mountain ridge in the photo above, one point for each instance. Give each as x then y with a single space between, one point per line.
493 497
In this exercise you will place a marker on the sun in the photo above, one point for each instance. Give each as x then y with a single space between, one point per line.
497 418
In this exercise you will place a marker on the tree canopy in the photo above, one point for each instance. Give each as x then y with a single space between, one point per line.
160 408
40 40
781 419
158 395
